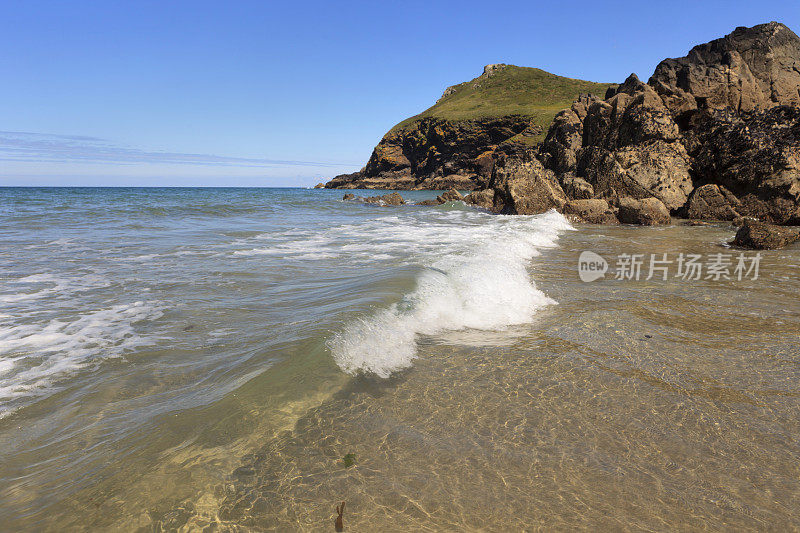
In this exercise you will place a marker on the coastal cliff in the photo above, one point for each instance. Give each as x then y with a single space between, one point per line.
712 135
454 143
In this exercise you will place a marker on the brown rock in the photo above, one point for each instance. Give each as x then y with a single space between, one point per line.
757 158
451 181
626 146
749 69
576 188
727 115
592 211
525 187
563 141
429 203
349 196
449 196
483 199
762 236
712 202
434 154
393 199
645 212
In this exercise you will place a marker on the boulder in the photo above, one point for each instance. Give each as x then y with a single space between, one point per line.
712 202
349 196
450 196
429 203
393 199
522 186
592 211
762 236
483 199
656 168
563 141
644 212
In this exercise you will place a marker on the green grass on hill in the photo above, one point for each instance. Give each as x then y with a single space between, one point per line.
511 91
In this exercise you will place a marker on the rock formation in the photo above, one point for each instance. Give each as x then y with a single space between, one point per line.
393 199
713 135
750 69
436 154
525 187
761 236
453 143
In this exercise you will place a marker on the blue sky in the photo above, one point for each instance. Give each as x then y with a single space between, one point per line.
288 94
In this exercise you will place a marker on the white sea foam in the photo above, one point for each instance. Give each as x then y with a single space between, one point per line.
35 355
476 277
46 285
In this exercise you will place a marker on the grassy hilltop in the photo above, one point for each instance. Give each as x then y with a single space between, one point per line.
510 90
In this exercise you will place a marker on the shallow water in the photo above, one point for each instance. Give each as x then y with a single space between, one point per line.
189 357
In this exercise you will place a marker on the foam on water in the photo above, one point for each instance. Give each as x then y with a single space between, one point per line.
34 356
476 276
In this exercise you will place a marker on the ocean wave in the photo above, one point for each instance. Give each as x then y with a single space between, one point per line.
476 277
33 357
48 285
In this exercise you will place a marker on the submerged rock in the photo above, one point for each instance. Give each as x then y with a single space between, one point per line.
393 199
591 210
450 196
429 203
483 199
644 212
387 199
763 236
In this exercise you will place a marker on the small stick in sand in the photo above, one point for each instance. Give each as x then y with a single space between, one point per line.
340 519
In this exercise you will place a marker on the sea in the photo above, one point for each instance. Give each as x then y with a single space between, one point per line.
247 359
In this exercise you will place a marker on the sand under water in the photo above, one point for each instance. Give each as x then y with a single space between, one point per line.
205 359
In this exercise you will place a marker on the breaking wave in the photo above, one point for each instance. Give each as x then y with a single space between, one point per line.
475 276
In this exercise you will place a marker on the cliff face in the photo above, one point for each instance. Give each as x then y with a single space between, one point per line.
454 143
435 153
748 70
715 134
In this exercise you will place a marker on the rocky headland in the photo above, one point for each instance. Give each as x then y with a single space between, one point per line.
714 135
454 143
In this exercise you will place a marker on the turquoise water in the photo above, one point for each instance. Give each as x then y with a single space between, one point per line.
192 358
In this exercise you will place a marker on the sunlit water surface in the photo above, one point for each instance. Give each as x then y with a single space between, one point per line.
205 358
